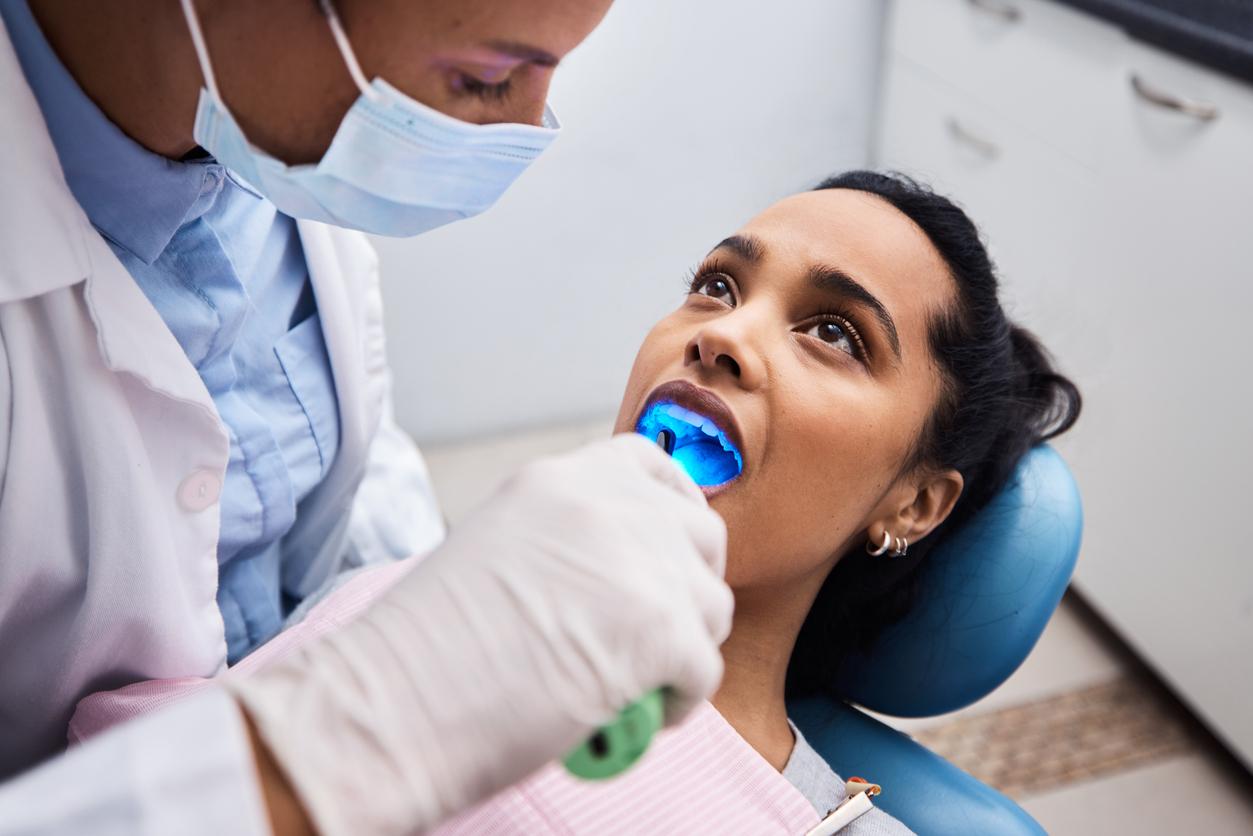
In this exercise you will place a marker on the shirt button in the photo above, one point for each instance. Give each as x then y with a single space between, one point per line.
199 490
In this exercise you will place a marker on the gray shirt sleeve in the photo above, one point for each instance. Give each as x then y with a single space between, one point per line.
810 774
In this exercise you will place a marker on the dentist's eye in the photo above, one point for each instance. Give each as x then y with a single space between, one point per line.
839 334
472 86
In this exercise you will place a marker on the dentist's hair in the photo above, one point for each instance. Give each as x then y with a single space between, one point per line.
1000 396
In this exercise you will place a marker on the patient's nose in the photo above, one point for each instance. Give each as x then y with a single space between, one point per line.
717 350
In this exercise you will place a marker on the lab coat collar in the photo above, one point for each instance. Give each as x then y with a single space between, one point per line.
134 197
331 253
47 243
42 227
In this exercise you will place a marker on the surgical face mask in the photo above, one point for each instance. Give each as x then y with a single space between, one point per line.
395 166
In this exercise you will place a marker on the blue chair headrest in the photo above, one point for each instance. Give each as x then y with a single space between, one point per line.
987 592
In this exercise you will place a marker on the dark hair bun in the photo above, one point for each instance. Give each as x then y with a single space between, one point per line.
1001 397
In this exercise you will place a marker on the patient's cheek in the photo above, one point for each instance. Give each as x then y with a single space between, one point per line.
739 574
775 545
647 372
752 559
739 562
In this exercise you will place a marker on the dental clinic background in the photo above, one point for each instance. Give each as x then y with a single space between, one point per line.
680 121
1117 208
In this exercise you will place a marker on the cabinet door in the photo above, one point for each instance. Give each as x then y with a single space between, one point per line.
1028 199
1138 274
1168 492
1037 63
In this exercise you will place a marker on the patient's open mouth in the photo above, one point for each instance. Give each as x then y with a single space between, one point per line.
702 447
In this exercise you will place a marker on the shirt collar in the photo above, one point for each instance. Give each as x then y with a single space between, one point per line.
136 198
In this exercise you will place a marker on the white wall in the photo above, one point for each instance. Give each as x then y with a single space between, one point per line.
681 120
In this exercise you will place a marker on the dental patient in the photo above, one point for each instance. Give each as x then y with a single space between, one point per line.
866 392
842 381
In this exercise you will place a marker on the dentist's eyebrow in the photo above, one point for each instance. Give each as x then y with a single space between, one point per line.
524 52
836 281
745 246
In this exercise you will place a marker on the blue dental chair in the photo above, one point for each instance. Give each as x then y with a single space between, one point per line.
988 592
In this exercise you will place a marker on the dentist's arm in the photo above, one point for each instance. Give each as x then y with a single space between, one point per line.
186 769
588 580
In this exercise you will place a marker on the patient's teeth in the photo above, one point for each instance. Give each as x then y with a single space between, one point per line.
676 411
685 415
700 422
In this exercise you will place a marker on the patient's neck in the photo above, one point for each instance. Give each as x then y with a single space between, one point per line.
751 696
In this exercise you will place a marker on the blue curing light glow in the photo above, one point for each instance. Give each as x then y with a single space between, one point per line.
700 445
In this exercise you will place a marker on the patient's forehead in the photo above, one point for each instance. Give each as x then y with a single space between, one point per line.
866 237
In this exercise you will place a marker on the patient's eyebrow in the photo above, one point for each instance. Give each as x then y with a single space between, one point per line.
835 280
745 246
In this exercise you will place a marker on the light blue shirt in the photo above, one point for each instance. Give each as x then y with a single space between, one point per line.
227 273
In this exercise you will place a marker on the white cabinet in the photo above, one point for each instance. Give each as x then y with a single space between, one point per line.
1022 193
1123 228
1035 62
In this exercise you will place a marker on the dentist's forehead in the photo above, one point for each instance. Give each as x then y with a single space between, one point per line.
542 31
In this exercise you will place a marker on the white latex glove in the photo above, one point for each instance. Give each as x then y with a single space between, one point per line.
588 580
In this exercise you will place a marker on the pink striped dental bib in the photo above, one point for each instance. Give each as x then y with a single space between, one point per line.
699 777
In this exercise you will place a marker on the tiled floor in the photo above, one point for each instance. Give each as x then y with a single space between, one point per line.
1186 795
1042 745
1122 755
1078 735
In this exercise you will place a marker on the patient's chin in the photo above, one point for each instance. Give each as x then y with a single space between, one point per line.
765 567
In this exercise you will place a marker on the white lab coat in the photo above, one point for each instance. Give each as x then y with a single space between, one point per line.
112 456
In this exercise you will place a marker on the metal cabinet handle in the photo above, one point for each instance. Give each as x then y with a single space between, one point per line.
986 147
1197 110
998 8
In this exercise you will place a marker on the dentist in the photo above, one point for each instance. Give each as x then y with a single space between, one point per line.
196 430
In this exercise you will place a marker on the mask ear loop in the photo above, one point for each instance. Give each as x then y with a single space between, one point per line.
345 50
202 52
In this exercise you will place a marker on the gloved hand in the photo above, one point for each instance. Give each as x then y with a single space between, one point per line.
586 581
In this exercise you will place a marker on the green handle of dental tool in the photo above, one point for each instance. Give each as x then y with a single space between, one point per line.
616 746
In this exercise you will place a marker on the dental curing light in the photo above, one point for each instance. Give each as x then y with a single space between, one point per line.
699 445
613 748
708 456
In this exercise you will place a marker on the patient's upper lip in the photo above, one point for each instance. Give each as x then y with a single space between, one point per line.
693 397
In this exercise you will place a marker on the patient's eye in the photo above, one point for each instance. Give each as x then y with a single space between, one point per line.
718 288
714 285
836 334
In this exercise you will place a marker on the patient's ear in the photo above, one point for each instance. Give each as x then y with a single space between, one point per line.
922 506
